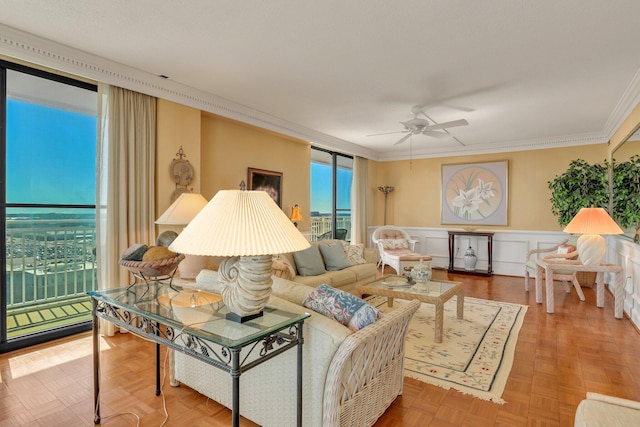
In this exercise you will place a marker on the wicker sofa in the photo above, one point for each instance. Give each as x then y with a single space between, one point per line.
346 279
349 378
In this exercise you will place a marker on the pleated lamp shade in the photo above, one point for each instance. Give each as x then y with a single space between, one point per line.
183 210
239 223
592 221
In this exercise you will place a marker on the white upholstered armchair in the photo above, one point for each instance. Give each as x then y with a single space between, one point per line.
396 248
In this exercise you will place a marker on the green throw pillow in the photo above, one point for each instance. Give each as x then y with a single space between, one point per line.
309 261
334 257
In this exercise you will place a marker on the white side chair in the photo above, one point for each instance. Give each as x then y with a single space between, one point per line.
553 253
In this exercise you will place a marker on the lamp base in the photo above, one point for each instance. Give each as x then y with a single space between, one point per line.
241 319
591 249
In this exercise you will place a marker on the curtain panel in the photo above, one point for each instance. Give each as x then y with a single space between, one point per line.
360 199
126 152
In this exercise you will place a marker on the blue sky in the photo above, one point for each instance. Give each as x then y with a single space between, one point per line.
321 188
51 155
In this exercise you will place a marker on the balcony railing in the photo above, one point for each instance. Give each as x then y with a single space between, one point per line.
49 260
321 227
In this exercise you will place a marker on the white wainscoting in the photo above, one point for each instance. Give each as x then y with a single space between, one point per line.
627 254
510 248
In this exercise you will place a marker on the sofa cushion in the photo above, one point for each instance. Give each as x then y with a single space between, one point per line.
355 254
351 311
315 281
281 267
364 271
340 278
334 257
309 261
291 291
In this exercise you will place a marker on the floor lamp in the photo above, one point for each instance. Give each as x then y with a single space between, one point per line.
386 189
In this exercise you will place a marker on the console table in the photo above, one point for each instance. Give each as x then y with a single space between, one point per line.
452 245
193 321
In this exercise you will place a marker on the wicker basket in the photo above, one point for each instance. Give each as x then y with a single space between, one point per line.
161 267
586 278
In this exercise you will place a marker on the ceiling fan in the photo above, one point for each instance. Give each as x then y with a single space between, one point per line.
420 126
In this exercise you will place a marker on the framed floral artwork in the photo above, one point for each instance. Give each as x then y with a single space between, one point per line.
269 181
474 193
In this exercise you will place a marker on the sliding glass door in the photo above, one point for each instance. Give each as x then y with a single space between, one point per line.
331 182
48 204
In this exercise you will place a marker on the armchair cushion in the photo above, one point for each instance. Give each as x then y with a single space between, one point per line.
309 261
334 256
394 243
391 233
351 311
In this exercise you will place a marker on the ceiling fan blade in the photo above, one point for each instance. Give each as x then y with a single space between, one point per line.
452 124
387 133
403 139
436 134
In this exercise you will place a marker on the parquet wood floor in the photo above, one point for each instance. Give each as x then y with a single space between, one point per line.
559 357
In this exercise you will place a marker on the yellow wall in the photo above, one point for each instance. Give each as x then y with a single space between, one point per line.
415 202
177 126
229 148
221 150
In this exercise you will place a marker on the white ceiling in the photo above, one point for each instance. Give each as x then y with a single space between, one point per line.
525 74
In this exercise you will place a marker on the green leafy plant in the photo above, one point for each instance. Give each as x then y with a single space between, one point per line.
582 185
626 192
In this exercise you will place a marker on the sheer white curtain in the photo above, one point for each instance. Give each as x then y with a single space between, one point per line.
359 199
126 154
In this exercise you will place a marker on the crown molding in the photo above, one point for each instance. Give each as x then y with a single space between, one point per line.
525 145
28 47
628 101
36 50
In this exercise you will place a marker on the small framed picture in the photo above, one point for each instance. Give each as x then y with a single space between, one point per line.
269 181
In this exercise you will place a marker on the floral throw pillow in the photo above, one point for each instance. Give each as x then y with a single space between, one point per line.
394 243
281 267
351 311
355 254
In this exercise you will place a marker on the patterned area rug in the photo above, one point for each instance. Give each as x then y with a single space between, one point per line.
476 354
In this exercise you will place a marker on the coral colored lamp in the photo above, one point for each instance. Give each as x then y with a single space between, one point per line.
591 223
247 227
296 216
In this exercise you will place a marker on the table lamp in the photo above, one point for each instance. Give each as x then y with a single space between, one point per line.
296 216
591 223
246 227
181 212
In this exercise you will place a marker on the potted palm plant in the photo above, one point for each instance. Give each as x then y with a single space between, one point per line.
582 185
626 194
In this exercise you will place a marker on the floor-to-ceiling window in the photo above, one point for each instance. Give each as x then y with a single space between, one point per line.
48 137
331 181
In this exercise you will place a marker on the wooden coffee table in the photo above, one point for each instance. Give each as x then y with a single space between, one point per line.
435 292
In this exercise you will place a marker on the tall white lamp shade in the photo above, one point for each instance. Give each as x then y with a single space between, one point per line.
181 212
247 227
591 223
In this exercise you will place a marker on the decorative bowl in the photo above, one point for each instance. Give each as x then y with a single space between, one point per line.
161 267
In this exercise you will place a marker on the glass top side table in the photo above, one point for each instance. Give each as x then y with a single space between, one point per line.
193 321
